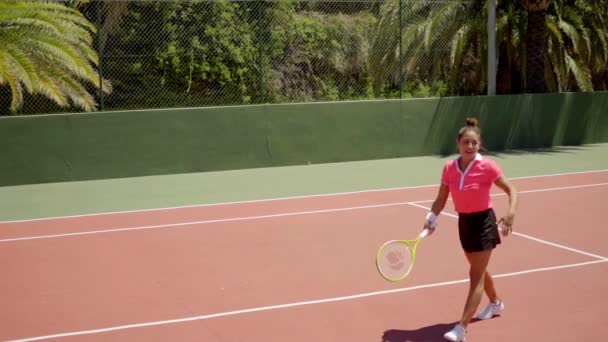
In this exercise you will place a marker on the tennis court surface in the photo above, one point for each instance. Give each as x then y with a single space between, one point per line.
301 268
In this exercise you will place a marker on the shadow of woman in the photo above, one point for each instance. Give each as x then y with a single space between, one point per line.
431 333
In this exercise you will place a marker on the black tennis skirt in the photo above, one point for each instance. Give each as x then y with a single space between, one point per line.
478 231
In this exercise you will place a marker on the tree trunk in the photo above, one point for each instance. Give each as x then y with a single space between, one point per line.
503 72
535 46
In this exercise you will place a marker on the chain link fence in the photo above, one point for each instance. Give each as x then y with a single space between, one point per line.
213 53
190 53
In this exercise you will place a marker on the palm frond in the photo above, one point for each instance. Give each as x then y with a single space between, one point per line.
554 31
580 72
6 76
570 32
53 49
50 88
601 43
576 21
21 66
458 46
46 48
555 67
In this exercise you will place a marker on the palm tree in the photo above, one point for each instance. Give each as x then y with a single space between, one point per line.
430 41
594 17
535 45
568 50
576 47
446 40
46 49
510 38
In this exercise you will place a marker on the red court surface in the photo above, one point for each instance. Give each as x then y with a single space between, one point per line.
302 269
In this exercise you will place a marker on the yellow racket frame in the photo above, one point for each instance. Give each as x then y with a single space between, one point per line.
412 245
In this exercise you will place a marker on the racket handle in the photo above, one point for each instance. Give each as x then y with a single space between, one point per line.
424 233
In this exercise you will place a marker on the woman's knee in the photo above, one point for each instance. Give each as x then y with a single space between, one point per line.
478 265
476 277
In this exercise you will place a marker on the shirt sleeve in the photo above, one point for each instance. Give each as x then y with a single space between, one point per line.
494 171
444 174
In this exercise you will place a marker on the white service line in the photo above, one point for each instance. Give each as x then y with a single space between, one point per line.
553 244
294 304
247 218
279 198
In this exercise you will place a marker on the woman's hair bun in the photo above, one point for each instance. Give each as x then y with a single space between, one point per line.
472 122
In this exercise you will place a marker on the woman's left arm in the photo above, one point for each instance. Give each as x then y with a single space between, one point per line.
507 221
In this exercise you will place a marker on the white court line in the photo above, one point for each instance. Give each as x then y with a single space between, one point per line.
278 198
247 218
553 244
537 190
291 305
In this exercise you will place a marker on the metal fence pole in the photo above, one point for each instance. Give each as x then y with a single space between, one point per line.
401 48
491 47
100 52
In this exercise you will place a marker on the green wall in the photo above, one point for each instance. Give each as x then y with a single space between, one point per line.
55 148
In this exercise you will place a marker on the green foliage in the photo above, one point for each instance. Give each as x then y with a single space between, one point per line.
576 51
226 52
210 50
326 58
430 41
446 41
175 53
46 49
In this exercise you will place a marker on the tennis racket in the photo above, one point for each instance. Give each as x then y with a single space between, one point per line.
395 258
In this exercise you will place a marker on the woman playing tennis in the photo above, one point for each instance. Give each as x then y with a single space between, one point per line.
469 179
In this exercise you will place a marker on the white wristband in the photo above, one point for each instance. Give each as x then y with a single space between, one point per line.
431 217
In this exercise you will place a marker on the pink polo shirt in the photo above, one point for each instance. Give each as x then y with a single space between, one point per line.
470 188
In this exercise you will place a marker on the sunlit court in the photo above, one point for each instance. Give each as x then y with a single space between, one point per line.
302 269
303 170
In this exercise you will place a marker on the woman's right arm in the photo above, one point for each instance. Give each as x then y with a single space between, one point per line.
442 197
438 205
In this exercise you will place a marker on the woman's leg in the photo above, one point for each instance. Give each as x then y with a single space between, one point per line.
488 284
477 274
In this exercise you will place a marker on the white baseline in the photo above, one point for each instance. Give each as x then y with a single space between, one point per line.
290 305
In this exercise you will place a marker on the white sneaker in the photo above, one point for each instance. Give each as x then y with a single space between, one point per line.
457 334
491 310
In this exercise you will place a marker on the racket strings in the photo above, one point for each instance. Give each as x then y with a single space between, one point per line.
395 260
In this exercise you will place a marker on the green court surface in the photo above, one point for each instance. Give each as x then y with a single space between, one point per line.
98 196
